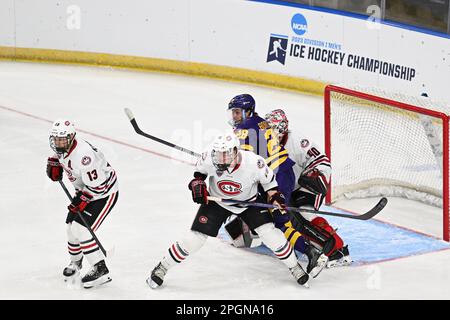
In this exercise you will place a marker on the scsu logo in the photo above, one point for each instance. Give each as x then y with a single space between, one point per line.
230 188
299 24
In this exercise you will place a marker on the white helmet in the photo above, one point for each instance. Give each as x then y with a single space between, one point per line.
225 149
62 136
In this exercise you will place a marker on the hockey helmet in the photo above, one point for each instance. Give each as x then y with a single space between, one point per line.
277 120
62 136
244 104
225 149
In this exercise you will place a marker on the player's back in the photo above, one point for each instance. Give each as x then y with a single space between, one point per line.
255 135
306 154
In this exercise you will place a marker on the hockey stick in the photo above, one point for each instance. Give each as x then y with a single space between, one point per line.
365 216
106 254
142 133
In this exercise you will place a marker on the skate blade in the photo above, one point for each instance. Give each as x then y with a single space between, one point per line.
321 264
97 282
343 262
73 280
152 284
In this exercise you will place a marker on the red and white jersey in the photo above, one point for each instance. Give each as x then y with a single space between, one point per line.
88 170
240 182
307 155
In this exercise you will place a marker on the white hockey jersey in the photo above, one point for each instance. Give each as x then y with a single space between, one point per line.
239 183
307 156
88 170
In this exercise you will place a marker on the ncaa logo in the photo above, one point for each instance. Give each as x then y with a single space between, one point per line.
230 188
299 24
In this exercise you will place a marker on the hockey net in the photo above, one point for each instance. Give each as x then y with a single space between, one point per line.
386 144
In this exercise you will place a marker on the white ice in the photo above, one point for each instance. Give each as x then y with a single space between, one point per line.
155 206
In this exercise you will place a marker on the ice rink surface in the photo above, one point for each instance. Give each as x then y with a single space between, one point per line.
155 207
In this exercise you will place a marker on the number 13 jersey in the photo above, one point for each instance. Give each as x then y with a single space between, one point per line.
88 170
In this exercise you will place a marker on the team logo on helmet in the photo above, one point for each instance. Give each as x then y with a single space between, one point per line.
86 161
230 188
203 219
304 143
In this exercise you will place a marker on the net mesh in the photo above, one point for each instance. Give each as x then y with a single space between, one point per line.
382 150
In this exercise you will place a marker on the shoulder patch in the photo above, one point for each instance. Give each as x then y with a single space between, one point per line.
85 161
304 143
260 163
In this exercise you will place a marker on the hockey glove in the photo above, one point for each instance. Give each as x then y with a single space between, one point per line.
79 202
199 190
314 181
277 199
54 169
280 216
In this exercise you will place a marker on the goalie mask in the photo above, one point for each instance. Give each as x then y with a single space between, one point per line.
62 136
278 122
224 151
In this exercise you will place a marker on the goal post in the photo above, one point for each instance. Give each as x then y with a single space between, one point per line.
385 144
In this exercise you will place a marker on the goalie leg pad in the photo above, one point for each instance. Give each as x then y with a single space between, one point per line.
239 232
330 246
234 228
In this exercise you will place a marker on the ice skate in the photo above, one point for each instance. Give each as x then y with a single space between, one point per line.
340 258
316 261
98 275
72 270
300 275
156 279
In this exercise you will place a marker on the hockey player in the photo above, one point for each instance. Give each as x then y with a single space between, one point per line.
255 135
232 174
96 186
312 171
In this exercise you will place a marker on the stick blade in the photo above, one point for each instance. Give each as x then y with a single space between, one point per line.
375 210
129 114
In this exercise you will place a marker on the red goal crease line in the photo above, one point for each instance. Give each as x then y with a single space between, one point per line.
98 136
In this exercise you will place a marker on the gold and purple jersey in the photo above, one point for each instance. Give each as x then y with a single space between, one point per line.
255 135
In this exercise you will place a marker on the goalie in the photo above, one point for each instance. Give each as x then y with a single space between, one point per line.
312 172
